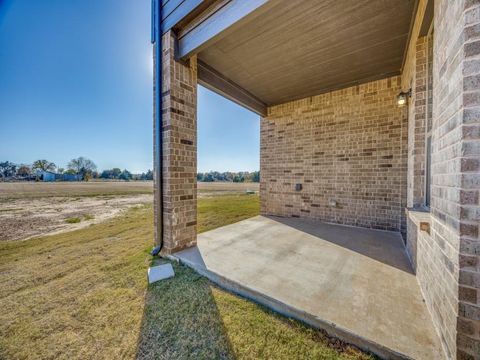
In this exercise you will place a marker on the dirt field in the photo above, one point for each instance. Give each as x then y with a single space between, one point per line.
35 209
25 218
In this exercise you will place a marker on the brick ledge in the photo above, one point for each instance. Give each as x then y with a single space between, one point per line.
420 217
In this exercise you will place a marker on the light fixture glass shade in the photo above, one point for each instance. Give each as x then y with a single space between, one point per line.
402 99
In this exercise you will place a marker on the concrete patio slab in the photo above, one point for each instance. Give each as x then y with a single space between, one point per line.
355 283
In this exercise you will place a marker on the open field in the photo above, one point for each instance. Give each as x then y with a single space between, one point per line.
216 187
36 208
15 190
83 295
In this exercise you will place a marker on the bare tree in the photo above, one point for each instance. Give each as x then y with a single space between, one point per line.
44 165
82 166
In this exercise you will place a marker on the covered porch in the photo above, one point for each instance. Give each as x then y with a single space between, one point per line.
355 283
327 78
324 78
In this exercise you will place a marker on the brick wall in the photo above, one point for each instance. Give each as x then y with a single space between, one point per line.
433 261
448 260
179 127
457 143
347 149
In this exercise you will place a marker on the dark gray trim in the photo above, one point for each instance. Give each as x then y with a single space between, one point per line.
211 29
157 136
213 80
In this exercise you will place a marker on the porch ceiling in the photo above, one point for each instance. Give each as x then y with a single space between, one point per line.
302 48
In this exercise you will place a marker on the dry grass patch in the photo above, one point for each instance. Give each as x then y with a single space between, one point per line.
78 294
21 190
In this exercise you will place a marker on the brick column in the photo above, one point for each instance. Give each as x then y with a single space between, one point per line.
416 129
179 129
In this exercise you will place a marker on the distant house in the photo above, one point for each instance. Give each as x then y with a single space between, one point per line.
71 177
46 175
49 176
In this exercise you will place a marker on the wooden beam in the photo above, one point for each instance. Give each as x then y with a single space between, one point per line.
427 19
186 26
217 24
213 80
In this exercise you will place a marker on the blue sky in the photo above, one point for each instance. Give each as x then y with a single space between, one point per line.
76 80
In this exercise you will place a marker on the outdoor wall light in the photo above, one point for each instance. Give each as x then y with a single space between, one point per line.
402 98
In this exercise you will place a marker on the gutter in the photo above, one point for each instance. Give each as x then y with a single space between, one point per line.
156 39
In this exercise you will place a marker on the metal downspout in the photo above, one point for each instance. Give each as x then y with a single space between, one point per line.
158 153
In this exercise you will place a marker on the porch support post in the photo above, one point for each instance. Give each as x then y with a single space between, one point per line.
417 128
179 144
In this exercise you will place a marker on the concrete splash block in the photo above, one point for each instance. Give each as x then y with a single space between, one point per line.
160 272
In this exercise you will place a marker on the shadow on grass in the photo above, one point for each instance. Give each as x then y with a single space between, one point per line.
187 317
181 320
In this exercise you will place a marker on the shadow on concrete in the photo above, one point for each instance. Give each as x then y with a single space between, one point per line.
181 320
384 246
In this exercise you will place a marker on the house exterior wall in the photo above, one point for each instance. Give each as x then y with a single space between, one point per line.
455 161
432 259
347 149
321 143
447 260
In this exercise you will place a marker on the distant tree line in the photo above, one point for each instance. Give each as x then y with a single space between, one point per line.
118 174
84 168
241 176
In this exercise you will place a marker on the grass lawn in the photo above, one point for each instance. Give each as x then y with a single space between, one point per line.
221 210
83 295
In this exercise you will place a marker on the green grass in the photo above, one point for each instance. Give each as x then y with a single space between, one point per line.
83 295
88 217
217 211
73 220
